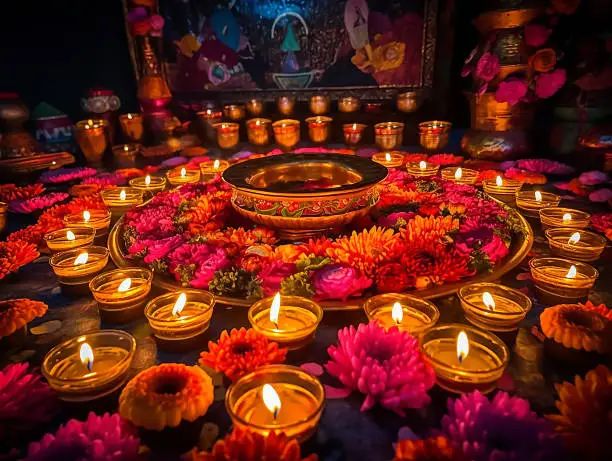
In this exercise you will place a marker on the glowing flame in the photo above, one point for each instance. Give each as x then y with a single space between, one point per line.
458 173
86 216
488 301
125 285
179 304
538 196
575 238
388 157
87 127
148 180
130 117
81 259
87 356
271 400
571 273
355 126
397 313
422 164
122 194
216 165
567 218
463 346
126 148
275 309
70 235
498 181
183 172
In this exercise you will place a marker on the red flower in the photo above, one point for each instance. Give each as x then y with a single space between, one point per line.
536 35
393 278
511 91
548 84
487 67
15 254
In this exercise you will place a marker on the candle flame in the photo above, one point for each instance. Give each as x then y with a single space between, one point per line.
179 304
422 164
81 259
70 235
354 126
571 273
567 217
125 285
463 346
498 181
488 301
86 355
183 172
147 180
388 157
53 162
87 127
122 194
86 216
216 164
271 399
130 117
275 309
458 173
126 148
538 196
575 238
397 313
90 121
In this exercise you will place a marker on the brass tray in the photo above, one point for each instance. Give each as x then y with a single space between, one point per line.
25 165
519 248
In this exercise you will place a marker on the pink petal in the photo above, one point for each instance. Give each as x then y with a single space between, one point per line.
336 392
313 368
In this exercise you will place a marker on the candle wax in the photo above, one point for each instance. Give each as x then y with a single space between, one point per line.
479 358
105 358
413 320
188 323
289 319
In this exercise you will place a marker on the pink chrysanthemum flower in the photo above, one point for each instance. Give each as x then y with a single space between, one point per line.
36 203
386 366
66 174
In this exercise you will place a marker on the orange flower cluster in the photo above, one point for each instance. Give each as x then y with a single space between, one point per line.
10 192
198 217
15 313
14 254
432 449
421 229
395 195
601 309
240 352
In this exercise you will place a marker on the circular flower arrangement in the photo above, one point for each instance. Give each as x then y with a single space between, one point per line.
15 313
422 233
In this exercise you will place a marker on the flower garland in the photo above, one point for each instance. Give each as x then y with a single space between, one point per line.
66 174
9 192
36 203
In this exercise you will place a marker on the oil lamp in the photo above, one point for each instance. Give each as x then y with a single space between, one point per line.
579 245
464 358
290 321
210 168
93 137
408 313
388 135
255 107
208 119
393 159
319 104
460 175
353 132
96 219
148 184
286 133
433 135
234 112
69 238
318 128
349 104
178 177
276 398
122 199
75 268
564 217
90 366
228 134
258 131
503 190
132 126
125 154
560 281
422 168
285 104
531 202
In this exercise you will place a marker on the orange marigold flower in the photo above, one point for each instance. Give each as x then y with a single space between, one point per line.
245 238
34 233
601 309
129 173
83 190
250 446
255 257
316 247
543 60
487 175
288 253
394 195
10 192
431 228
432 449
365 250
14 254
241 351
15 313
577 188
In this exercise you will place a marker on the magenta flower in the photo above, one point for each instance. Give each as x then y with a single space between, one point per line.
106 179
602 222
593 178
601 195
66 174
549 83
511 91
544 166
193 190
482 239
385 365
36 203
391 219
152 222
504 429
196 264
446 159
536 35
487 67
271 276
99 438
339 281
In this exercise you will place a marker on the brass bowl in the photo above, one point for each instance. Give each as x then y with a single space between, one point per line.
407 102
349 104
235 112
285 104
319 104
303 195
255 107
389 135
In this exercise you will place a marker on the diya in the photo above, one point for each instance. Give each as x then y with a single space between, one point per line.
531 202
125 154
407 102
349 104
276 398
422 169
353 132
178 177
258 131
96 219
388 136
93 137
503 190
148 184
210 168
208 119
464 358
255 107
286 133
90 366
560 281
178 320
460 175
319 104
69 238
121 199
121 293
406 312
302 195
564 217
393 159
228 134
433 135
285 104
579 245
291 321
75 268
132 126
234 112
318 128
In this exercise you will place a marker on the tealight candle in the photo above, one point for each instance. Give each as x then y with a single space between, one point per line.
132 126
531 202
319 104
318 128
559 281
121 293
210 168
349 104
579 245
393 159
93 137
234 112
291 321
179 320
286 133
255 107
353 132
96 219
180 176
125 155
258 131
149 185
460 175
69 238
503 190
228 134
91 366
285 104
121 199
276 398
422 169
494 307
388 135
464 359
408 313
564 217
75 268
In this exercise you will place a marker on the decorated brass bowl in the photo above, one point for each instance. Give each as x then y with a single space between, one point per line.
302 195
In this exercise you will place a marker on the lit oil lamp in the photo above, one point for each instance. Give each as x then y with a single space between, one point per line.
120 200
258 131
125 154
460 175
208 119
132 126
276 398
69 238
255 107
406 312
503 190
286 133
464 359
433 135
564 217
91 366
422 169
578 245
353 132
179 320
210 168
234 112
393 159
559 281
75 268
319 104
96 219
121 293
531 202
291 321
318 128
93 137
285 104
388 135
178 177
349 104
149 185
228 134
